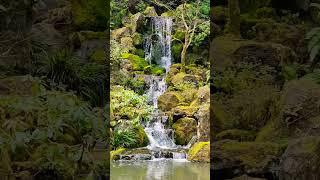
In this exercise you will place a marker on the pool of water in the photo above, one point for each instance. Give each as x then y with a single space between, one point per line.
159 170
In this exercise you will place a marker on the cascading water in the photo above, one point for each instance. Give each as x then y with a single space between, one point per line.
158 50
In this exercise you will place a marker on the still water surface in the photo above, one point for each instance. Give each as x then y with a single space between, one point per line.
159 170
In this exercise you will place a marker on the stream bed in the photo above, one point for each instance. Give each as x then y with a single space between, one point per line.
160 169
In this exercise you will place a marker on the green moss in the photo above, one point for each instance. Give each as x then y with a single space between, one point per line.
236 134
200 152
139 52
137 39
184 130
98 56
179 35
250 154
155 70
168 14
90 15
115 155
138 63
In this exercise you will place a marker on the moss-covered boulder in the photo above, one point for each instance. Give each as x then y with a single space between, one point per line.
184 130
127 42
203 94
247 157
137 21
184 111
200 152
90 15
138 63
133 154
301 158
150 11
181 78
155 70
115 154
236 134
117 34
203 118
169 100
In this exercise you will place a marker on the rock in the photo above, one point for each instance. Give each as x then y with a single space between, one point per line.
127 42
183 111
181 78
115 154
300 100
138 63
137 21
227 52
184 130
203 117
117 34
150 11
19 85
200 152
246 177
244 157
135 154
169 100
204 94
48 35
301 159
236 134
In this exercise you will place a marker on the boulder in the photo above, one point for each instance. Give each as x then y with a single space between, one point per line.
236 134
200 152
117 34
301 159
204 94
150 11
203 117
300 102
169 100
183 111
228 52
244 157
127 42
182 78
137 21
184 130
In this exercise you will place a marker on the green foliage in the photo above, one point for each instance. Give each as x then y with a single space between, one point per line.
119 9
90 15
203 31
155 70
313 36
124 138
98 56
127 104
138 63
51 131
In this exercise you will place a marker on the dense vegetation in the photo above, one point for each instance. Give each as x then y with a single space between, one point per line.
265 88
54 89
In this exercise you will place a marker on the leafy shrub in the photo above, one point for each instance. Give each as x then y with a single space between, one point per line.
124 138
127 104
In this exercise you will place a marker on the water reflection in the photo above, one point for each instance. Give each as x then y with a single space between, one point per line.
159 170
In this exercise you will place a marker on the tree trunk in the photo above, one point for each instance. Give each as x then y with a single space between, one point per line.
234 18
184 51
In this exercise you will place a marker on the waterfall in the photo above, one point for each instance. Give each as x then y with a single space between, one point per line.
158 50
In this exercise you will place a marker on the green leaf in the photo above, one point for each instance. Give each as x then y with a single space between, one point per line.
314 52
314 41
313 32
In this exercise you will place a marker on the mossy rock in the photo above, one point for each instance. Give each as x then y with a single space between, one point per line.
203 118
236 134
138 63
185 111
90 15
182 77
98 56
273 132
142 138
127 42
168 14
150 11
155 70
254 157
301 158
200 152
115 154
184 130
222 118
203 94
169 100
117 34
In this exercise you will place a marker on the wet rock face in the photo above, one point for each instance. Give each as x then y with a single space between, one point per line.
203 117
301 159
